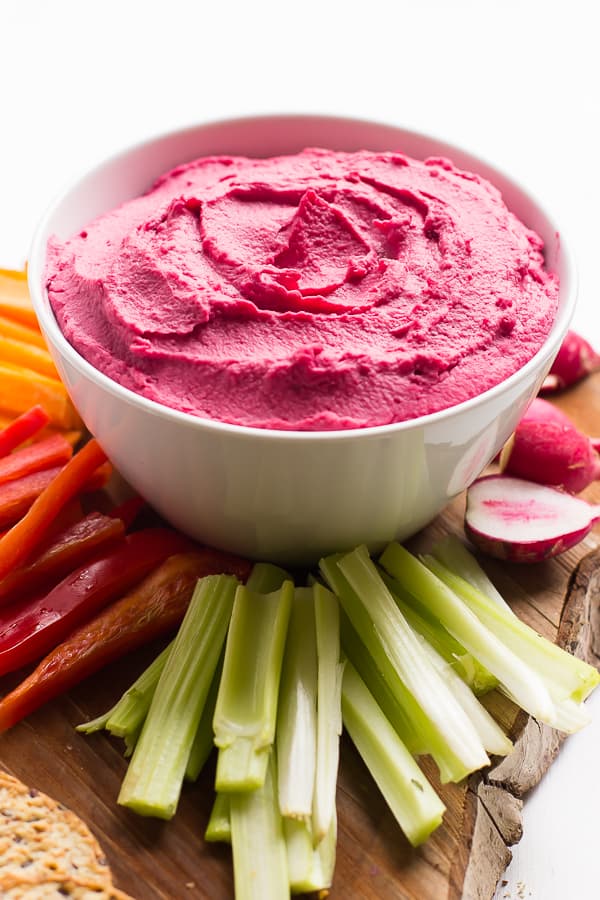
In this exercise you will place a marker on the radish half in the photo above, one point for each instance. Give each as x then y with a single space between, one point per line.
548 448
575 360
521 521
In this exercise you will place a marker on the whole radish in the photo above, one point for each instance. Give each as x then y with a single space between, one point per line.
546 447
522 521
575 359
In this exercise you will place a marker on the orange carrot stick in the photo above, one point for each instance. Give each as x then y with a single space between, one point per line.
21 388
17 544
21 353
53 451
11 329
21 429
15 302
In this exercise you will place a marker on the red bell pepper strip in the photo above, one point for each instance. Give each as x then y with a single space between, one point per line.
16 497
153 608
52 451
23 428
70 548
129 509
18 543
31 628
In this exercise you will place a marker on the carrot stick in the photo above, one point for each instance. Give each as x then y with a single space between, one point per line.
21 388
22 428
16 497
53 451
17 544
15 301
11 329
153 608
24 354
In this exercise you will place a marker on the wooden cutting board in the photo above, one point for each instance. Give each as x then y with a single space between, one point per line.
464 859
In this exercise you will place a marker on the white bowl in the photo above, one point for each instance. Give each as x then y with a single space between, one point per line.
283 495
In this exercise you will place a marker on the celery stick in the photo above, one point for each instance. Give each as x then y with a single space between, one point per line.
470 670
399 654
310 867
512 672
259 854
453 554
204 739
219 823
246 709
573 678
155 774
329 708
265 578
397 703
492 737
296 733
126 717
414 803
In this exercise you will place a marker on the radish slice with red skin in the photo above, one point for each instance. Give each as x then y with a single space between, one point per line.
548 448
575 360
521 521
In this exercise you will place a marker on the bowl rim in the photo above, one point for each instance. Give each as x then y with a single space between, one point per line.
53 333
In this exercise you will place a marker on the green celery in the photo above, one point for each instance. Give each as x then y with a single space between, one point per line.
126 717
492 737
311 863
329 708
414 803
399 655
265 577
219 823
259 853
453 554
470 670
204 739
296 733
246 708
566 677
153 781
512 672
398 704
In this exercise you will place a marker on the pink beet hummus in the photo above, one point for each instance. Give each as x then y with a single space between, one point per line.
317 291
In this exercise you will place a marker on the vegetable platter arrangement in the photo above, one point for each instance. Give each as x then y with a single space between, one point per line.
361 728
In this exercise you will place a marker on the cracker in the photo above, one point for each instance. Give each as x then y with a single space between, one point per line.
46 850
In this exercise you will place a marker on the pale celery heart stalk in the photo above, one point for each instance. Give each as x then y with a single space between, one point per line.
219 823
399 654
329 709
154 777
569 680
414 803
453 554
260 866
296 735
246 709
311 863
511 671
470 670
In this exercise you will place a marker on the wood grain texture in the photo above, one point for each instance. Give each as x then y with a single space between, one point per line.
463 860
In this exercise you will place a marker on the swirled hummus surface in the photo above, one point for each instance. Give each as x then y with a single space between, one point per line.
322 290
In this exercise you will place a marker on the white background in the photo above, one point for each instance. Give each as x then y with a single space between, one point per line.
515 81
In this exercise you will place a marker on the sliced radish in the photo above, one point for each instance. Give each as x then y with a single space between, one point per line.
575 359
521 521
548 448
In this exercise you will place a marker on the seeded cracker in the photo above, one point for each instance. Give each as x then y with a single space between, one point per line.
46 851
